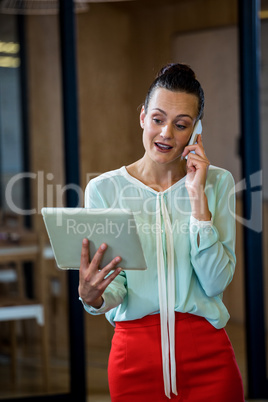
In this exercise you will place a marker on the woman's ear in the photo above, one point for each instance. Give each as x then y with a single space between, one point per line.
142 117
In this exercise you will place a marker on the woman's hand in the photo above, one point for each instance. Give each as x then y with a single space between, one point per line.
197 167
92 279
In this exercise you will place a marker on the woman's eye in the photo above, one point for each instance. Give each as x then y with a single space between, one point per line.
180 127
157 121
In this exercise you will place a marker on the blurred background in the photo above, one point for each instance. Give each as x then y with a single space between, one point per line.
118 49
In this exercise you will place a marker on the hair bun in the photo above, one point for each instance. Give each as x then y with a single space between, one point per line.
177 77
178 68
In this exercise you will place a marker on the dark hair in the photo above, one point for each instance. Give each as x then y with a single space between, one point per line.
177 77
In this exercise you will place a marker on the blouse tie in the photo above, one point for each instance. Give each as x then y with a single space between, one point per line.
166 292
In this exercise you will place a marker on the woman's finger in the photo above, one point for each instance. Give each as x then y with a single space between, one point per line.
109 267
96 260
195 158
84 254
198 148
111 277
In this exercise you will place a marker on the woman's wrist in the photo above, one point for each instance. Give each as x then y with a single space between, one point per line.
199 206
95 304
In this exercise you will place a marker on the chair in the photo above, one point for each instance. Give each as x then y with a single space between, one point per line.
17 307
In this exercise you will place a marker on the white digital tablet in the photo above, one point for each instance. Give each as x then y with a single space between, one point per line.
67 227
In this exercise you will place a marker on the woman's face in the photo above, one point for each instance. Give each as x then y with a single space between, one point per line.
168 124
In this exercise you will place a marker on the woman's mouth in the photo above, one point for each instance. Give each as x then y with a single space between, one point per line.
163 147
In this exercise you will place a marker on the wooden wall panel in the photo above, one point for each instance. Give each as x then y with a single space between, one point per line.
46 152
45 111
105 90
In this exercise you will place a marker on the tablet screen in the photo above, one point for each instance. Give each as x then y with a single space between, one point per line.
67 227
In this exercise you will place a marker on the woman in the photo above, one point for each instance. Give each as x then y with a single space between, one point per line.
169 340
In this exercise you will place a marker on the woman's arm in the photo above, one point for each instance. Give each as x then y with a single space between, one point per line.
197 167
213 244
99 290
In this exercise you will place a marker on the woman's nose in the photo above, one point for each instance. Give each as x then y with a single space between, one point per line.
166 132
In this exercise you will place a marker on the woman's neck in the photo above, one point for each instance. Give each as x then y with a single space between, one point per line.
157 176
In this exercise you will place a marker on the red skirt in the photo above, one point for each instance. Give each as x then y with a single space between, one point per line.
205 362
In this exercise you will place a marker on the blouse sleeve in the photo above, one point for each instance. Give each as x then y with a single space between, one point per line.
113 296
213 254
93 198
116 291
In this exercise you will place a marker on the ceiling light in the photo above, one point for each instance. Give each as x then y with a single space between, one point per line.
37 7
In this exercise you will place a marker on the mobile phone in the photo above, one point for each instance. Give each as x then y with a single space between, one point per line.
197 130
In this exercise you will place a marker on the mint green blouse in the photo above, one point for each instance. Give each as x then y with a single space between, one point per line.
202 271
189 263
